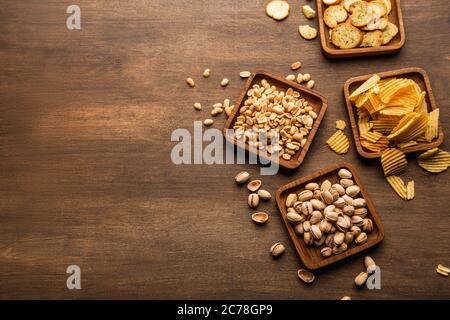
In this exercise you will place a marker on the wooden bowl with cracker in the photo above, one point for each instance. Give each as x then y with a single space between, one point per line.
330 50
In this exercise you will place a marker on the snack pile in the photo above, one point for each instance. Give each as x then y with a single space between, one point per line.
357 23
393 112
393 115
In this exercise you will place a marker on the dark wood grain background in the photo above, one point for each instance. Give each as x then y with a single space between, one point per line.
85 171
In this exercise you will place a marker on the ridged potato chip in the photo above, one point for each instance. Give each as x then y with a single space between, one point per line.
393 161
434 160
371 136
407 144
368 84
411 126
341 125
384 126
432 128
339 142
410 193
398 185
380 145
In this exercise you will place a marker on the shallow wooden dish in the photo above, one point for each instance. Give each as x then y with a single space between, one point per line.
417 74
311 256
331 51
315 100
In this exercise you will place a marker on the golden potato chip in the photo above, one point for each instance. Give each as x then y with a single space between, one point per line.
410 193
434 160
398 185
338 142
340 124
391 87
371 136
407 144
368 84
410 126
432 128
393 161
384 126
364 125
421 105
362 99
380 145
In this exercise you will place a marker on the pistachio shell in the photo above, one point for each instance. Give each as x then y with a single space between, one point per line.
254 185
306 276
260 217
345 174
277 249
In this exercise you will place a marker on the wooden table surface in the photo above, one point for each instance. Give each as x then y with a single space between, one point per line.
86 176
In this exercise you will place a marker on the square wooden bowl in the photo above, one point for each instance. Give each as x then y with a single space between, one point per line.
417 74
332 51
311 256
315 100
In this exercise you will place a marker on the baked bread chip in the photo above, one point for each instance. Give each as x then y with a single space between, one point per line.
361 15
307 32
278 9
348 3
378 8
308 12
334 15
346 36
372 39
389 32
376 24
387 4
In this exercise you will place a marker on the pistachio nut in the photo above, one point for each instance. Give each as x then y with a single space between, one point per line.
298 206
332 216
348 200
348 239
307 238
319 243
361 279
264 195
291 199
299 229
352 191
334 193
329 208
348 210
357 221
305 195
307 226
329 241
316 233
242 177
253 200
339 238
343 223
359 203
325 226
293 217
360 212
312 186
307 208
361 238
326 252
339 203
346 183
277 249
356 231
369 262
327 197
325 186
316 217
345 174
317 204
340 189
317 194
367 225
338 249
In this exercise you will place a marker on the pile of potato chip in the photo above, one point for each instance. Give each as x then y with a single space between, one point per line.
392 115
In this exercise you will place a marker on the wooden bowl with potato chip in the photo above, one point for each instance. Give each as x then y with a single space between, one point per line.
420 77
